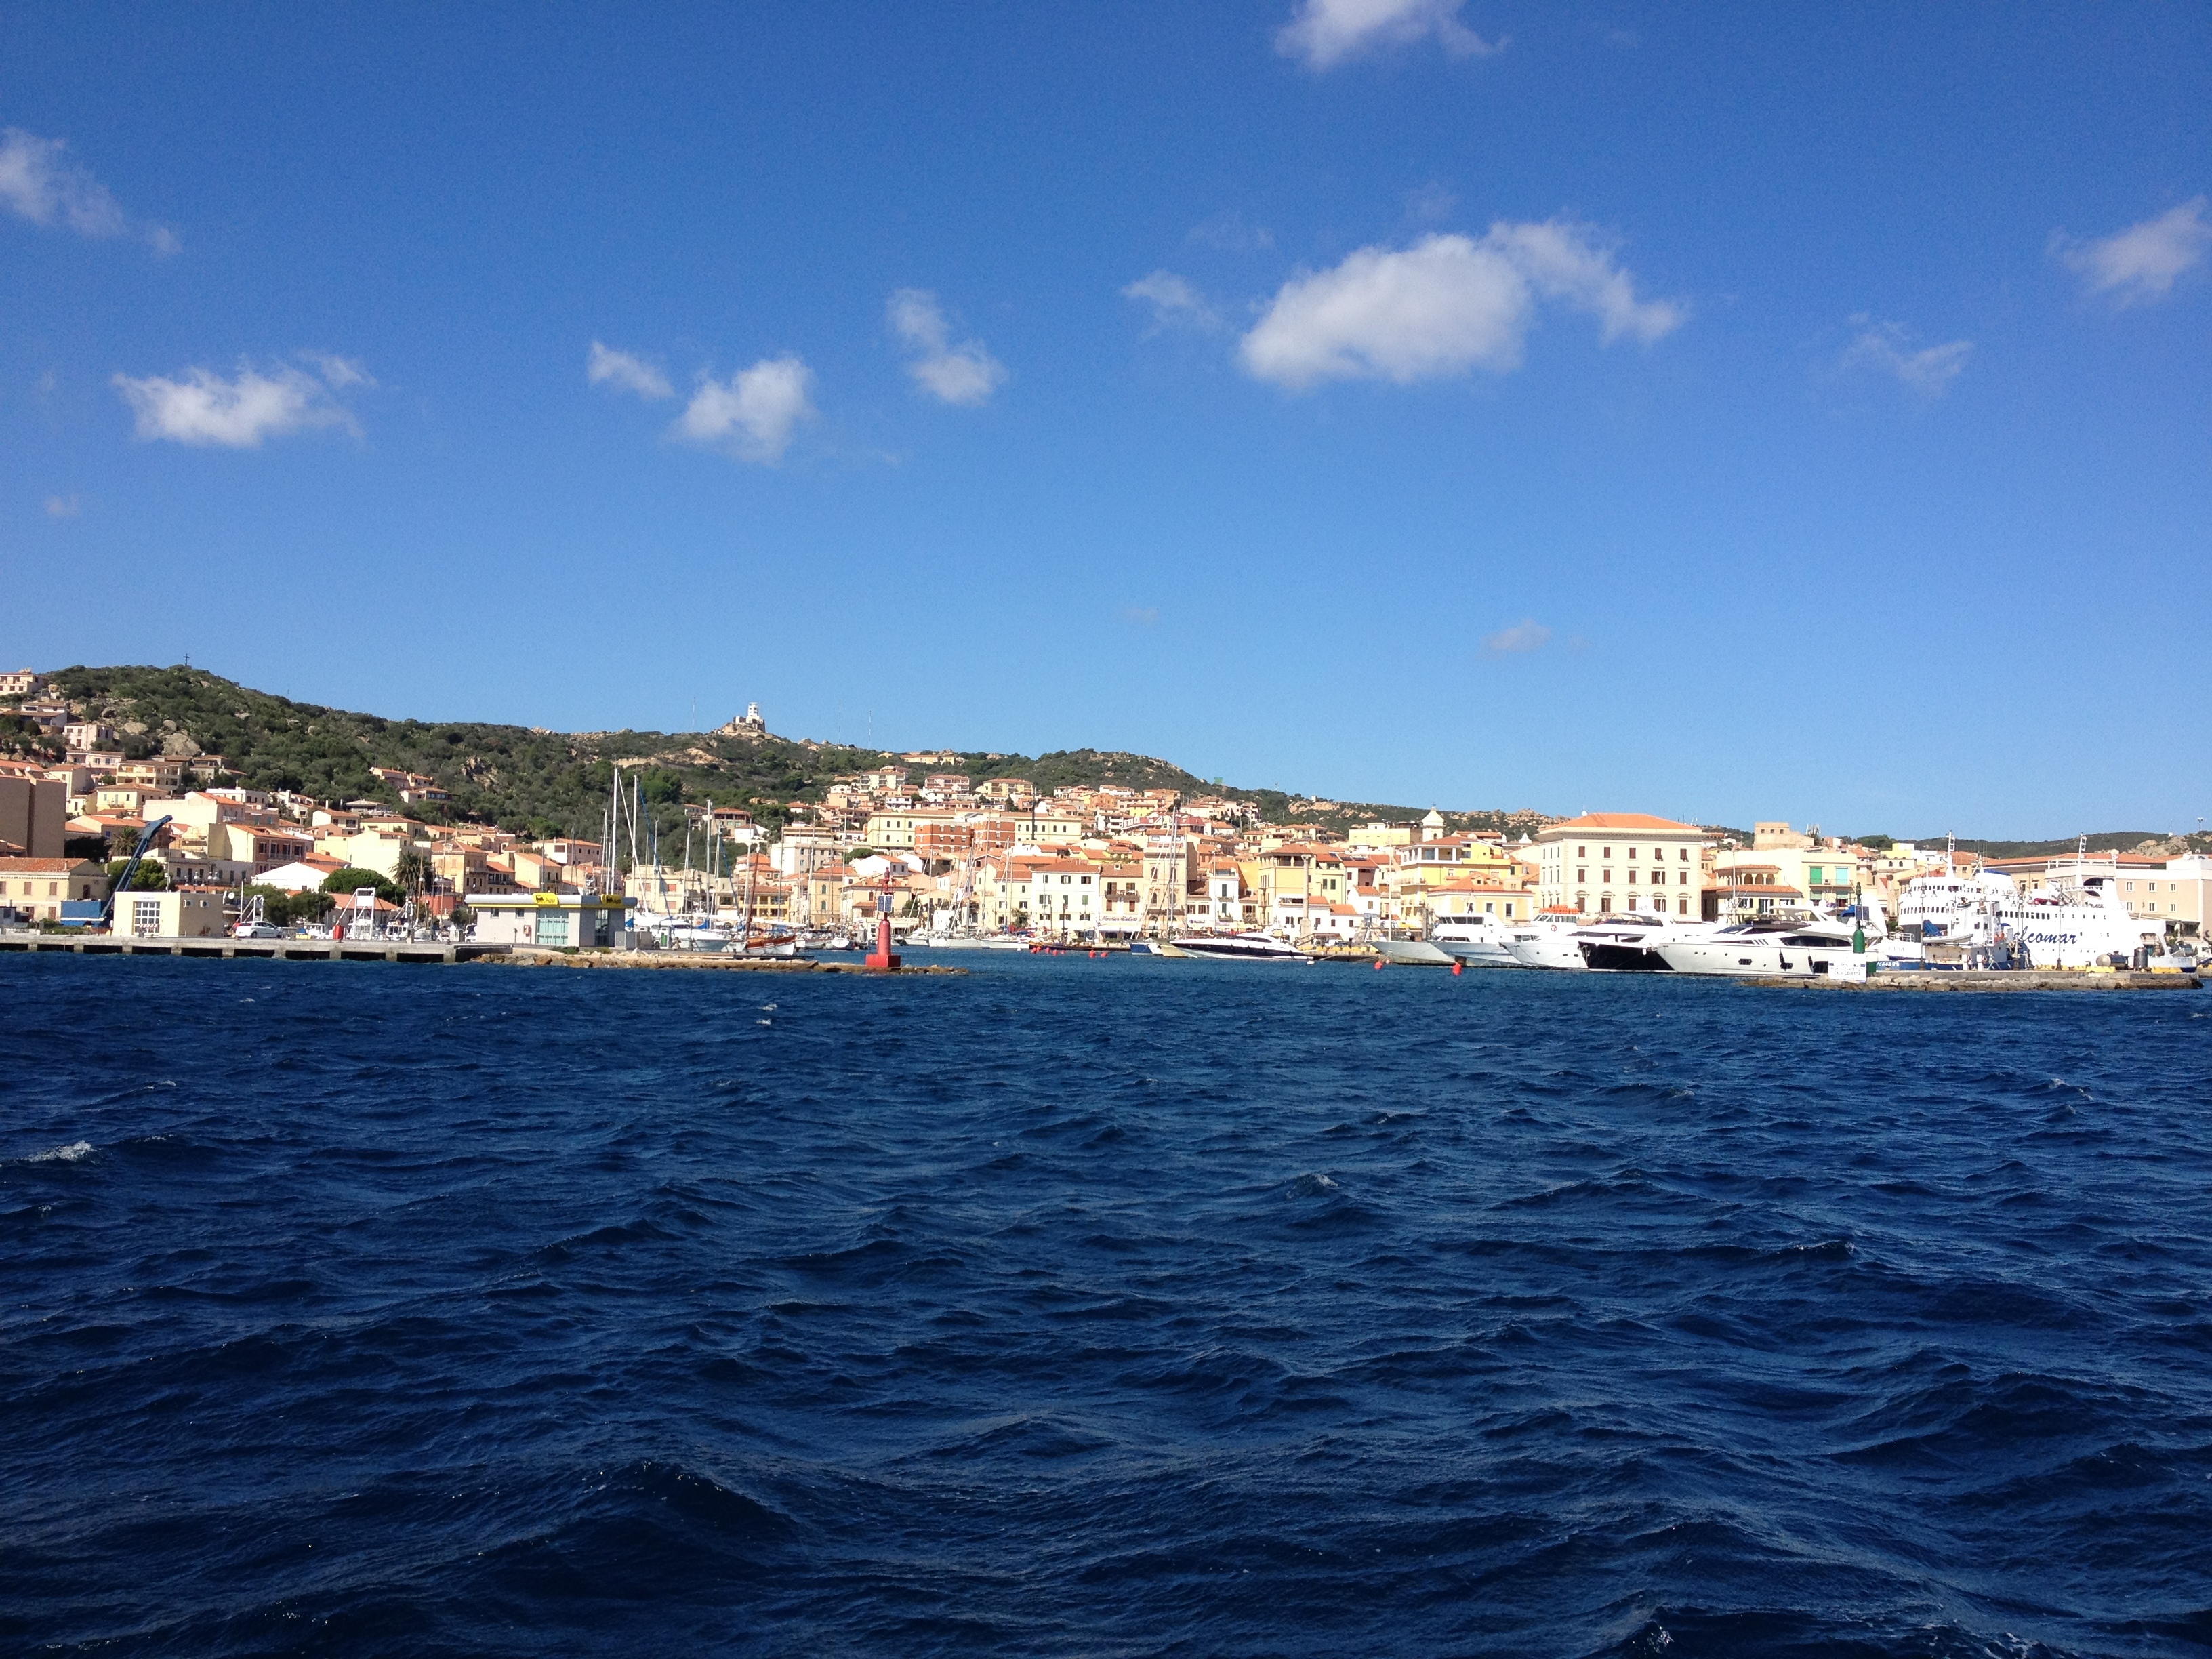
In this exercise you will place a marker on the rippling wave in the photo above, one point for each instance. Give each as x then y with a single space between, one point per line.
1097 1308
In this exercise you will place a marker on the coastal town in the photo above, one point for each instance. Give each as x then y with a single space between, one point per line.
945 856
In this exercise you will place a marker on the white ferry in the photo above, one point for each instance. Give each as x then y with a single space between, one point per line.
2071 927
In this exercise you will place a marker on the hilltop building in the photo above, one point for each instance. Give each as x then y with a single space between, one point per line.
750 724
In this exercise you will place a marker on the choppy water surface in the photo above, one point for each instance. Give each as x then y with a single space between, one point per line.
1083 1308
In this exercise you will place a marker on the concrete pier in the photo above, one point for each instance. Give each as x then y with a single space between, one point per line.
280 949
2030 981
707 961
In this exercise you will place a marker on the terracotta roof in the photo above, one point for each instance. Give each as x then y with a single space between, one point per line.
43 866
1622 821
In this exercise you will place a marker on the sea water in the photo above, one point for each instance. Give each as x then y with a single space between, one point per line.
1082 1307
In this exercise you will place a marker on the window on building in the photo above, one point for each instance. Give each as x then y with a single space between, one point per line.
145 915
1581 875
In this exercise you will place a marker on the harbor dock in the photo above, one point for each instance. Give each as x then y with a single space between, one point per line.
524 957
318 950
2018 981
281 949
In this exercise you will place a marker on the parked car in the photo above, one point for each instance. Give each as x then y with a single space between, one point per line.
255 930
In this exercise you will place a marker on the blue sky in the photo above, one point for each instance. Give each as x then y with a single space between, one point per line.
1727 412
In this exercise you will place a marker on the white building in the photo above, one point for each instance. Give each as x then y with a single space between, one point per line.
179 913
1604 862
303 876
563 920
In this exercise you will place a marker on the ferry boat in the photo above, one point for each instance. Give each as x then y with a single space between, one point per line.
2073 925
1240 947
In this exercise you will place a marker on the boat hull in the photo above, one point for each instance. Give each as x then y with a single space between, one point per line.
1555 950
1239 948
1413 953
1610 958
1765 958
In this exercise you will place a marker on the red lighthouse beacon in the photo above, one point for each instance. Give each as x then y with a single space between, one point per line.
881 957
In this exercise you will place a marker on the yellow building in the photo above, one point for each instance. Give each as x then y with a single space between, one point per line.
35 890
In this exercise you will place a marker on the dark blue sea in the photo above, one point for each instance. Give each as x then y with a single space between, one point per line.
1097 1308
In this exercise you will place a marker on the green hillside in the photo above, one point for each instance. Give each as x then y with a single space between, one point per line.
2122 841
547 783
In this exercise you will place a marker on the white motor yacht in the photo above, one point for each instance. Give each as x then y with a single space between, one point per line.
1240 947
1479 941
1628 952
1558 946
1413 952
1780 948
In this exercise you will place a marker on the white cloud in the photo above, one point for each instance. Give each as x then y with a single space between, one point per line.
1325 32
1141 616
39 183
965 373
1565 264
1885 347
1172 300
1527 635
1444 307
203 408
607 367
340 372
2140 261
752 415
61 506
